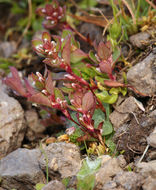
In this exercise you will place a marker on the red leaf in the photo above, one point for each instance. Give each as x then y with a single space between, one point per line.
46 37
88 101
105 67
112 83
39 98
49 84
15 83
104 51
66 51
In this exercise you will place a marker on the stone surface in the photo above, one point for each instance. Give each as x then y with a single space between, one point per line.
122 113
110 185
149 184
20 170
142 76
54 185
63 159
7 49
95 32
128 180
151 139
150 121
140 39
107 171
12 123
147 169
34 127
122 161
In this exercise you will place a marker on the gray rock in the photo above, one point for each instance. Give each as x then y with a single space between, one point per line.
20 170
54 185
151 139
149 184
152 156
142 76
34 126
95 32
147 169
12 123
140 39
128 180
63 159
122 113
122 161
7 49
107 171
110 185
150 121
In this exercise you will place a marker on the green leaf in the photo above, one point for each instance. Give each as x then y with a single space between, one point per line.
87 3
92 56
77 56
99 117
86 175
58 94
106 98
116 54
65 181
109 142
39 186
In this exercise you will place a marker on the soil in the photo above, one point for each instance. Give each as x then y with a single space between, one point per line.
133 140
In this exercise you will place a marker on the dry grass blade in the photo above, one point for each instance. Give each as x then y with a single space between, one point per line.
130 10
110 22
28 24
97 20
150 3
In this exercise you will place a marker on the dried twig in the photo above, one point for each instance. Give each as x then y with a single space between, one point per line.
28 23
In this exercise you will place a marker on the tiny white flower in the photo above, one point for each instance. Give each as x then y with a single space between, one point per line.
62 39
40 79
53 43
48 17
43 10
52 22
44 92
55 14
50 53
38 74
54 61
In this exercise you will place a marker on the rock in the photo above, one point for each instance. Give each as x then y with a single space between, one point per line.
151 139
110 185
150 184
122 113
150 121
7 48
12 123
54 185
140 39
128 180
104 159
34 126
147 168
20 170
63 159
95 32
107 171
152 156
142 76
122 161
